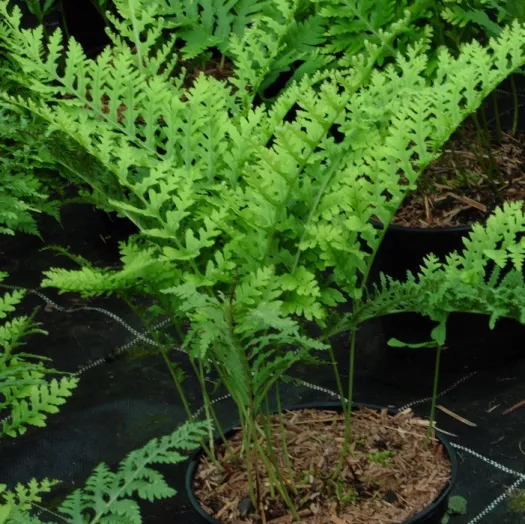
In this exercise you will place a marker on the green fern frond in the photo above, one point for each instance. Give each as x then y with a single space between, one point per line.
138 26
9 302
204 24
480 13
107 496
14 330
22 175
42 400
465 282
24 495
26 397
354 26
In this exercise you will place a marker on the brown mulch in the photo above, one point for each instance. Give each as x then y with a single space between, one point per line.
390 473
213 67
445 199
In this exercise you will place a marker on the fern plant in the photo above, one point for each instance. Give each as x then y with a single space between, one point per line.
27 397
254 221
106 495
350 25
471 16
25 186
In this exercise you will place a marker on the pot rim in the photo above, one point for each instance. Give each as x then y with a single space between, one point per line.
440 499
419 230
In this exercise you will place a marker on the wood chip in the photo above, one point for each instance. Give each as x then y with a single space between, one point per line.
469 201
456 416
515 407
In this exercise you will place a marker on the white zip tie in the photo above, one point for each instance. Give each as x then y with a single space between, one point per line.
444 392
41 510
497 501
491 462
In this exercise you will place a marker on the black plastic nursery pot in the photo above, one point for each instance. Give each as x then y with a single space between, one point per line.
86 25
404 248
432 514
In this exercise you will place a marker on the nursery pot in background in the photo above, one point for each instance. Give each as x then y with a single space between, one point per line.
87 25
470 341
432 514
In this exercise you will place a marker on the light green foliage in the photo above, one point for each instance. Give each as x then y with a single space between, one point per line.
291 34
26 396
381 457
263 39
23 188
107 496
247 335
456 506
16 504
243 214
485 278
213 188
252 219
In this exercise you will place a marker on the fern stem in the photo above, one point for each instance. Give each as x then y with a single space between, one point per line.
347 406
284 442
136 35
176 380
488 145
252 467
162 349
497 118
438 24
482 145
178 385
335 367
65 27
206 403
267 432
430 429
249 430
211 412
516 106
252 489
350 394
277 479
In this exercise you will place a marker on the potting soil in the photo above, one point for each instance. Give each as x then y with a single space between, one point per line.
125 400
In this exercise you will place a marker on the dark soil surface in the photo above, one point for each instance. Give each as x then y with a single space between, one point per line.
121 404
467 182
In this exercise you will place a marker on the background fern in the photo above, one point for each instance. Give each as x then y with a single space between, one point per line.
27 397
25 188
107 496
486 277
